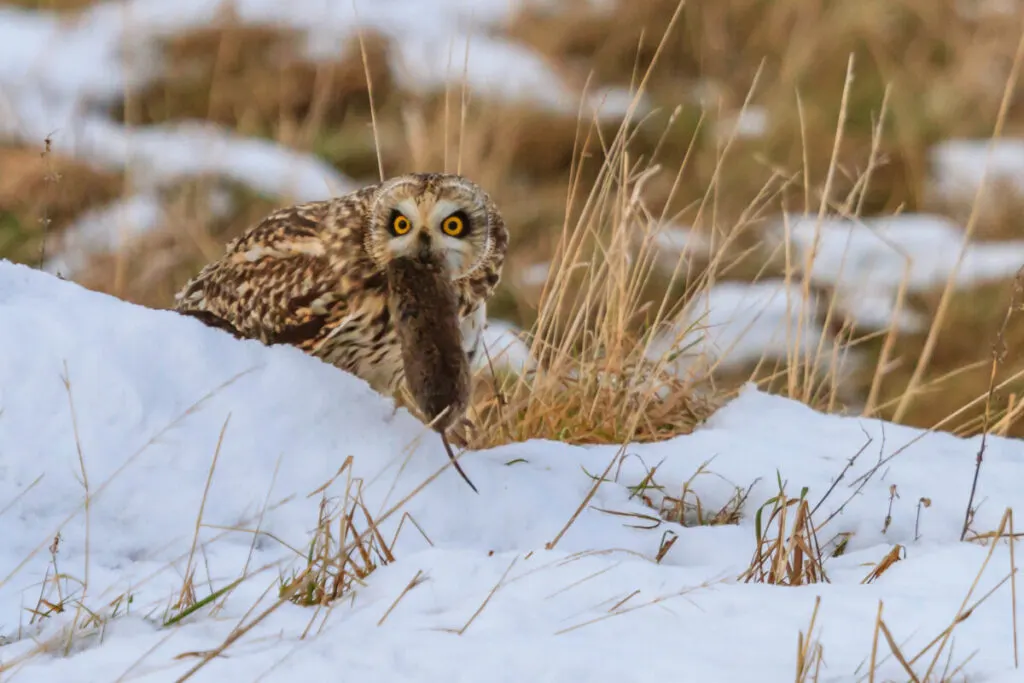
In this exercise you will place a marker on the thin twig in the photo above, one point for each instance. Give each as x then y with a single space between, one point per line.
998 354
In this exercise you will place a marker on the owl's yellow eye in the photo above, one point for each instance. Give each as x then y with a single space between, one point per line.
400 224
454 225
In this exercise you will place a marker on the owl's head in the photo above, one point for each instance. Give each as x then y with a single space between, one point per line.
443 214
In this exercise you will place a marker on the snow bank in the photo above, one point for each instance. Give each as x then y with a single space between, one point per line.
104 230
596 607
736 324
959 165
866 260
155 157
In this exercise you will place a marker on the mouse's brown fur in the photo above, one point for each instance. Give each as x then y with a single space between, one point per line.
424 309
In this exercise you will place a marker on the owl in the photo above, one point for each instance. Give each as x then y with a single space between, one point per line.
389 283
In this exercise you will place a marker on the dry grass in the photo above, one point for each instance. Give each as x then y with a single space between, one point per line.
787 552
933 57
885 564
582 195
809 652
50 5
340 555
961 367
41 192
254 79
591 200
688 510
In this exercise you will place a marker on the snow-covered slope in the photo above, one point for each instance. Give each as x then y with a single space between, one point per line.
596 607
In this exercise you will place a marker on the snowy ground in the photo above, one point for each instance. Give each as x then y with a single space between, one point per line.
594 607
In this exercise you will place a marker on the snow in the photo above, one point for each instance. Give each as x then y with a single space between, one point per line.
505 348
594 607
736 324
101 230
674 246
749 123
959 165
866 260
156 157
110 227
534 275
162 154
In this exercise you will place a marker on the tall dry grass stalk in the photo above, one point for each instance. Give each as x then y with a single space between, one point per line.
594 380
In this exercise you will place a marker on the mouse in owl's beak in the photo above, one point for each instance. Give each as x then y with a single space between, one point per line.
424 308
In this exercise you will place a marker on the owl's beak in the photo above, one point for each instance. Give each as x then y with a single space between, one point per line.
425 243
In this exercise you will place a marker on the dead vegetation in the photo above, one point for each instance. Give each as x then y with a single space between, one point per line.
256 80
41 193
340 556
51 5
150 269
787 552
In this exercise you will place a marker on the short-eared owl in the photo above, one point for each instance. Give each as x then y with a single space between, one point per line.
389 283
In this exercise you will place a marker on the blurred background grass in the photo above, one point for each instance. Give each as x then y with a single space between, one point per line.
925 71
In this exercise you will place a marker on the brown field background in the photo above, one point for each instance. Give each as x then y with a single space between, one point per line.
923 71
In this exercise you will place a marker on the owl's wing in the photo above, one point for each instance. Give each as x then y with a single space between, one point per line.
275 283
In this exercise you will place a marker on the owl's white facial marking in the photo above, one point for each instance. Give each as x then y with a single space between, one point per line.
404 225
452 226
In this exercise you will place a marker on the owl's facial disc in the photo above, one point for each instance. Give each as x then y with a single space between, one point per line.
440 227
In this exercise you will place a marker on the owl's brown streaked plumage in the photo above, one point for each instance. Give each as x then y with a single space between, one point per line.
314 275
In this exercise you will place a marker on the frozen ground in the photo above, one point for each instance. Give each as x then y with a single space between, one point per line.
594 607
